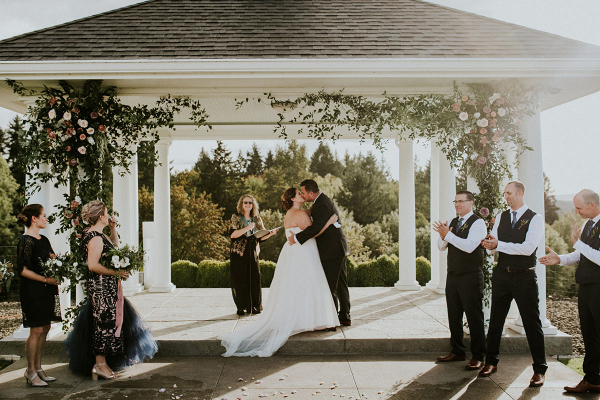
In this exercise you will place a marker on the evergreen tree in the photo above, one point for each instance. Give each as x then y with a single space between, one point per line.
10 149
269 160
550 208
254 162
423 189
324 162
145 156
9 230
368 193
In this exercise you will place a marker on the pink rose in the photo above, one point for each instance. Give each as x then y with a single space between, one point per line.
483 131
52 101
500 102
101 128
463 116
67 116
52 114
74 204
473 130
493 123
465 98
70 131
484 211
73 163
456 107
78 235
93 115
82 137
75 110
495 138
81 150
484 141
471 102
68 214
481 160
75 221
82 123
68 148
52 135
487 110
90 131
493 114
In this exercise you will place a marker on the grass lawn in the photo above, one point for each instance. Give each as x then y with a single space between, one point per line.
576 364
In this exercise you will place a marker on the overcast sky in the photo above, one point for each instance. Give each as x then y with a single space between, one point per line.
569 137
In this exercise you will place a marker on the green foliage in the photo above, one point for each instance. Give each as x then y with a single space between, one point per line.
267 270
560 279
423 242
376 240
550 208
564 224
212 274
255 186
422 192
330 185
423 271
324 162
9 231
354 235
270 248
555 241
254 163
367 192
389 225
421 221
183 273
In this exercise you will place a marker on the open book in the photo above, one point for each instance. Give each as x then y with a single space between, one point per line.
263 232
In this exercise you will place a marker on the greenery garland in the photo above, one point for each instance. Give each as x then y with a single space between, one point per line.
81 134
475 129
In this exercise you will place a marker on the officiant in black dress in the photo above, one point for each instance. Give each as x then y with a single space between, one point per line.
244 268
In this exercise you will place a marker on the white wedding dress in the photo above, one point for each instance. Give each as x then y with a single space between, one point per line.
299 300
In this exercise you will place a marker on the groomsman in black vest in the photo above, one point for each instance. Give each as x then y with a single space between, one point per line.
587 275
464 281
516 234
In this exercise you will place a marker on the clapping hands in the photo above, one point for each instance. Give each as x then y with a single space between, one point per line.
441 228
575 232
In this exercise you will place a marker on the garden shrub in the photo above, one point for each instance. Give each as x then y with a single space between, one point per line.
267 270
213 274
423 271
183 273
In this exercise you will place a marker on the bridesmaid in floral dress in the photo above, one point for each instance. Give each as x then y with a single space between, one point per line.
123 340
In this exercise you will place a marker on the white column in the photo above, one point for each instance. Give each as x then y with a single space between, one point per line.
162 220
126 203
406 218
49 197
434 215
531 175
447 211
148 237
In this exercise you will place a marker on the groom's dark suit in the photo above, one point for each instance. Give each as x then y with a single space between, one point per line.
333 248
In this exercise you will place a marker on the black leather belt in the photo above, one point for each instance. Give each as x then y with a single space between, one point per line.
519 270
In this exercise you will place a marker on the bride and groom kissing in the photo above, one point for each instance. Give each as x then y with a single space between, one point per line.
310 283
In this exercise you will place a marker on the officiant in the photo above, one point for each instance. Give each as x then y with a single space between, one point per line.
244 267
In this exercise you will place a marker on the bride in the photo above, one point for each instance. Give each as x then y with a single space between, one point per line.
299 298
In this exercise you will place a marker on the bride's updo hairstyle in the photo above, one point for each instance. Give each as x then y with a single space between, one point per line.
27 214
286 198
92 211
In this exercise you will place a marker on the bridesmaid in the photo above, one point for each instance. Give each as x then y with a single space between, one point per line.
244 267
39 295
107 327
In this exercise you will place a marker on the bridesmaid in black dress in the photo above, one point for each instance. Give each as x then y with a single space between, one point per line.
244 269
98 333
39 295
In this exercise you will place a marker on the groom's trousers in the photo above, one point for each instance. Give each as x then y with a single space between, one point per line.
337 278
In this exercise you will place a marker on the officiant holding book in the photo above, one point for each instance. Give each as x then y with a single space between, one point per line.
246 232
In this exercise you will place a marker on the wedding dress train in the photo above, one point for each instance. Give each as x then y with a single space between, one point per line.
299 300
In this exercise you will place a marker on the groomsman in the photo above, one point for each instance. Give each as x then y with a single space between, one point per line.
587 275
464 281
516 234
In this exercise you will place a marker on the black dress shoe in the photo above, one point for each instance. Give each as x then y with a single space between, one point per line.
451 357
346 323
241 312
255 311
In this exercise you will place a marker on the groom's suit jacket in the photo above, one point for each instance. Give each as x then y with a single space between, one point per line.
332 243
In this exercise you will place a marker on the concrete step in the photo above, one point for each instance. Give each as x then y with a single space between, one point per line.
315 343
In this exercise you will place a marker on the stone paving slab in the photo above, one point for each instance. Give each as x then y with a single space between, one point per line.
360 376
384 320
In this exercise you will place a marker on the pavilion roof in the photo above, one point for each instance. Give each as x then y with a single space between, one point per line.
288 29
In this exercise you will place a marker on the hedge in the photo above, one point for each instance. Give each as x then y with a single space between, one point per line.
382 271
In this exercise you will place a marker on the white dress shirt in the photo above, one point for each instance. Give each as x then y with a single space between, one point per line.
477 233
532 238
582 248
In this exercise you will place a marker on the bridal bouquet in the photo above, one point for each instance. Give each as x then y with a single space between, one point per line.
126 258
59 267
6 275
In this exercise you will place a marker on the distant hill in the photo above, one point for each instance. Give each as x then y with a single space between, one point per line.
565 202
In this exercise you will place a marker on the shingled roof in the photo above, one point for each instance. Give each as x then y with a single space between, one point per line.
242 29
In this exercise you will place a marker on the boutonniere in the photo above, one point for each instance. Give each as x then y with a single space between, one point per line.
594 231
462 228
523 222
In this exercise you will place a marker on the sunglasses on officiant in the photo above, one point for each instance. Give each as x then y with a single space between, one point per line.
247 202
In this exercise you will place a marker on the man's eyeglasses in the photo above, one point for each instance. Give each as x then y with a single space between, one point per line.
247 202
460 201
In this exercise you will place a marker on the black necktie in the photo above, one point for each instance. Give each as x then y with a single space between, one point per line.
459 224
588 228
514 218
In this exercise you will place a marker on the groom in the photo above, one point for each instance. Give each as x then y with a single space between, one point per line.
332 245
